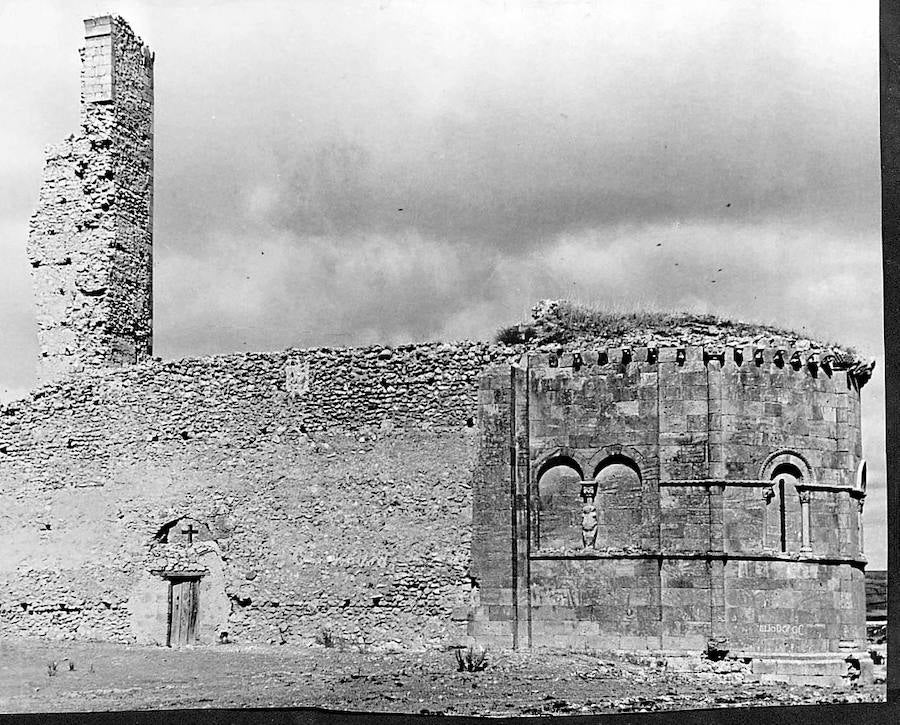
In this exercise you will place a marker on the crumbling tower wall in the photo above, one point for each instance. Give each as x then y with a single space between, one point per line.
91 238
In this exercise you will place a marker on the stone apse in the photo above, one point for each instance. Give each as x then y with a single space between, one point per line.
671 499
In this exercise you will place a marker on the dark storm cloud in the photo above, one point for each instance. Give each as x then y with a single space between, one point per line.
347 160
347 173
512 187
536 132
336 190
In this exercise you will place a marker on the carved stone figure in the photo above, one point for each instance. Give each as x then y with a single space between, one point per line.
862 371
588 525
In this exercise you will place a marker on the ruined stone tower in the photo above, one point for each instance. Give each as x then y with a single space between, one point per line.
91 237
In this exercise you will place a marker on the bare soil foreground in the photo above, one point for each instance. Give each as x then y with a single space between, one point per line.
116 677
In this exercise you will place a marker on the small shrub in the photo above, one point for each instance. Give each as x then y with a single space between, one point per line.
715 651
51 669
473 659
515 334
325 638
508 335
564 321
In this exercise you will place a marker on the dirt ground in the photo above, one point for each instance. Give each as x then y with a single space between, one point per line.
116 677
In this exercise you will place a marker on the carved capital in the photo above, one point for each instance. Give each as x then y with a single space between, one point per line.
804 495
768 493
588 491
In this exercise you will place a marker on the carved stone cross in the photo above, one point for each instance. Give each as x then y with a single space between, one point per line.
189 531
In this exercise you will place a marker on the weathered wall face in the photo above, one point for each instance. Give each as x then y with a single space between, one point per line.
330 488
90 239
338 490
706 494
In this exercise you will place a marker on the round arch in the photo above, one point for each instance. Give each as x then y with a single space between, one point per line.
781 460
620 502
617 459
557 457
785 529
597 460
558 503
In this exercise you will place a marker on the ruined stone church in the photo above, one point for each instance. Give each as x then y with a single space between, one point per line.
649 493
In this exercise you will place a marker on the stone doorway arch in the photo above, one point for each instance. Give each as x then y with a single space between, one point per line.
179 598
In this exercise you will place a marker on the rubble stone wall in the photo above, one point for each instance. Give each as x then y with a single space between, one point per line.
331 490
337 493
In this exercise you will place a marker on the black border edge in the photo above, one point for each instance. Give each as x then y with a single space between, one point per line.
889 67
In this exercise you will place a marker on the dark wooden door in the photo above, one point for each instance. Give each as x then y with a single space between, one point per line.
184 601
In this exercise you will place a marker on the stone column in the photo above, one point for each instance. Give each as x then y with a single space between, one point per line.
805 547
519 449
768 493
716 456
859 525
716 472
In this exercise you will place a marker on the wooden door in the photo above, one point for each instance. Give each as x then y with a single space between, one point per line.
184 600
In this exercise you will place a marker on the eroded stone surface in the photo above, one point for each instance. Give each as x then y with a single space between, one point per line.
90 239
327 494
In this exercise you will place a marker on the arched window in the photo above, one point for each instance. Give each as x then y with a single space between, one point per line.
559 505
619 503
784 518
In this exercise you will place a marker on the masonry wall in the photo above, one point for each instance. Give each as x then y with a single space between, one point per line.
339 490
90 239
688 543
332 490
492 502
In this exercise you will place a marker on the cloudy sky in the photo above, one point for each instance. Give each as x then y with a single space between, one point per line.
341 173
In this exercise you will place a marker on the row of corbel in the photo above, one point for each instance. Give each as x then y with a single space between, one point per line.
859 371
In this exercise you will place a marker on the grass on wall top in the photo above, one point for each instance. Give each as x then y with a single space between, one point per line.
563 321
